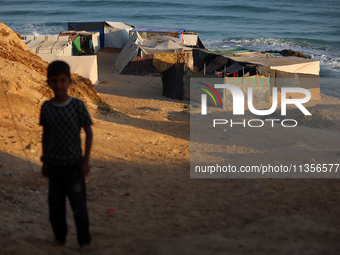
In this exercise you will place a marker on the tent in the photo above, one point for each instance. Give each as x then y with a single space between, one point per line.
286 64
172 80
149 31
168 46
192 40
126 55
165 37
116 34
83 42
85 66
138 54
286 71
281 71
112 34
52 45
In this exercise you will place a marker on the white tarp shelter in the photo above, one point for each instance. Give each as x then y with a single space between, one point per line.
285 64
112 34
130 49
85 66
95 36
190 40
116 34
51 45
168 46
138 44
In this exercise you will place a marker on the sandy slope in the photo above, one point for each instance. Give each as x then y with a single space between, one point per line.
140 168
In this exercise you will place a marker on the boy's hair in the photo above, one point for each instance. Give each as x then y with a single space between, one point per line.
58 67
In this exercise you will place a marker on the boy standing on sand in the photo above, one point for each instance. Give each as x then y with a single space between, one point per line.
62 118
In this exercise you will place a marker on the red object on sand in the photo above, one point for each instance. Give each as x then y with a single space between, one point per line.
111 211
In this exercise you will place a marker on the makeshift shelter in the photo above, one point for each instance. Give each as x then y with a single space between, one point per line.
168 46
192 40
194 82
128 52
254 68
172 80
166 37
163 61
149 31
51 45
285 71
112 34
83 43
286 64
138 56
83 65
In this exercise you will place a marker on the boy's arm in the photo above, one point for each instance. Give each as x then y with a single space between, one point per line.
44 146
88 144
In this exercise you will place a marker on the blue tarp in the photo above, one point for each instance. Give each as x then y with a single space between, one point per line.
157 29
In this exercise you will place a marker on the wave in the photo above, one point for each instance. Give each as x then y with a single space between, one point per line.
326 52
52 28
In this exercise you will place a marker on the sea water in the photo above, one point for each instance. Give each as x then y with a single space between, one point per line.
309 26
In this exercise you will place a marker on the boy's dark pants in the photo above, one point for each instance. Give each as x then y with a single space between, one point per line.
68 181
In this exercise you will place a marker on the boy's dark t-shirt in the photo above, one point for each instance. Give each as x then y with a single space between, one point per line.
63 123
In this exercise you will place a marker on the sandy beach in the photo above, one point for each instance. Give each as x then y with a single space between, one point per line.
141 199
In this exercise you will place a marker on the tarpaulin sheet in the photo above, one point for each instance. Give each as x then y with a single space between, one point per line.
218 63
286 64
283 79
260 89
172 80
153 47
128 52
190 40
85 66
157 29
166 37
260 84
163 61
34 44
116 34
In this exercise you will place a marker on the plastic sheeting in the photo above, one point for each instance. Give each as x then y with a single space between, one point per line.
57 48
96 42
216 64
85 66
157 29
117 39
130 49
166 37
190 40
152 47
148 47
260 84
33 45
164 61
116 34
112 34
73 35
172 80
286 64
235 67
